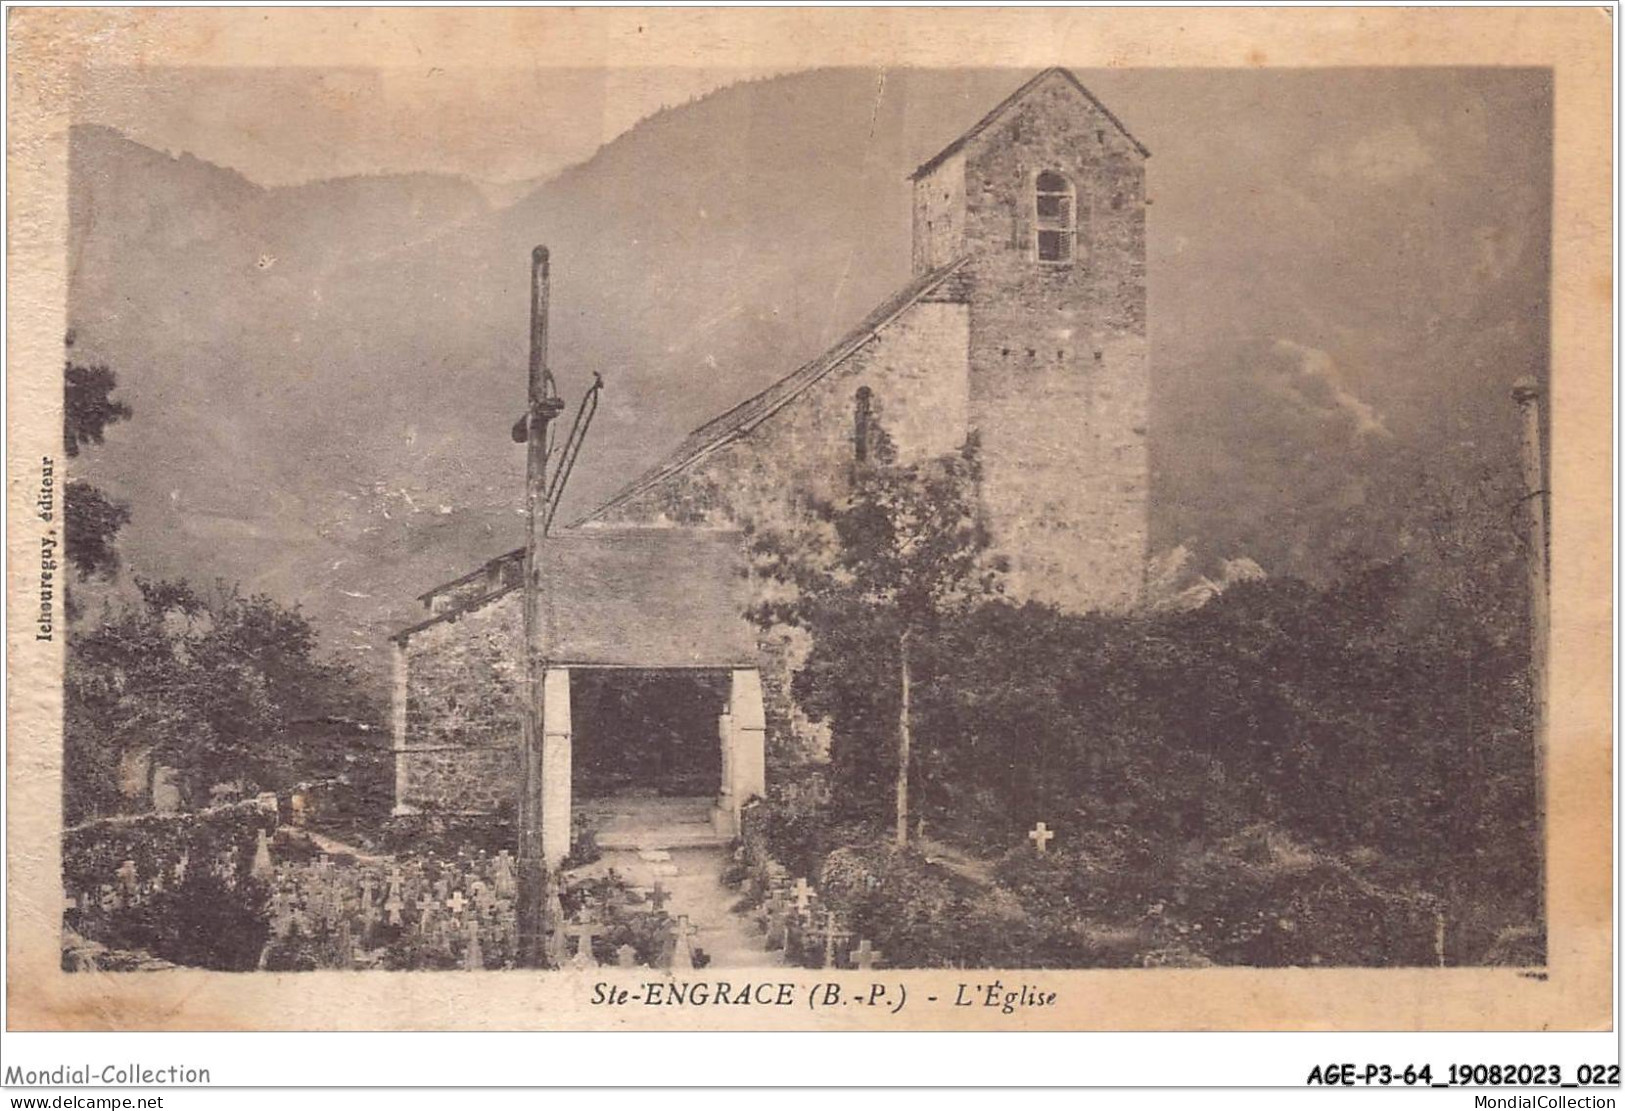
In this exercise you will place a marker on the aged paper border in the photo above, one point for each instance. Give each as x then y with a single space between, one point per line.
48 46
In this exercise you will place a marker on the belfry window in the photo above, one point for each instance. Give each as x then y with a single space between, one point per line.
1057 204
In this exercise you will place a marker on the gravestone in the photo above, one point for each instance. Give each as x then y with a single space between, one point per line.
345 945
682 934
281 913
504 875
626 957
556 953
261 868
369 920
584 931
831 933
774 925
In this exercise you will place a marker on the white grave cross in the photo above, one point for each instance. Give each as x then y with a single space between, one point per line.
1040 836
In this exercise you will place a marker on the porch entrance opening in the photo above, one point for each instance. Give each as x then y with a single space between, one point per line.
647 734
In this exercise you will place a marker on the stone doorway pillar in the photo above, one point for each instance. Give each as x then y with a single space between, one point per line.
556 795
744 747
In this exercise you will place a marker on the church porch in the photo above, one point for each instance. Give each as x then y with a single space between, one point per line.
650 759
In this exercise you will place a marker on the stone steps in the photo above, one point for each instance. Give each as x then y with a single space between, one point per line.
660 837
653 823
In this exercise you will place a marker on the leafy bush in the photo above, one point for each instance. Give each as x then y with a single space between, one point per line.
92 853
199 918
200 922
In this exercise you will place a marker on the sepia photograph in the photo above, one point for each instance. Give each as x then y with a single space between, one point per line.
697 525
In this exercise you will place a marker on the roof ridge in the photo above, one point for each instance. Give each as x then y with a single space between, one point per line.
998 110
752 411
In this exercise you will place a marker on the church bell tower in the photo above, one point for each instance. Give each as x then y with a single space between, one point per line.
1046 197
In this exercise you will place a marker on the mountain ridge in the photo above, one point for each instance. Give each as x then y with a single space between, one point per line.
324 374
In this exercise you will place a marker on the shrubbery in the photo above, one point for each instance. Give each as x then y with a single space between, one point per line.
1287 775
92 853
198 917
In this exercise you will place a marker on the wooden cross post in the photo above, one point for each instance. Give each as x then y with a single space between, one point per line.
832 933
1040 836
659 896
1527 393
544 406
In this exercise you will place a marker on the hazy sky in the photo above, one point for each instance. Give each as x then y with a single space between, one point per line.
288 125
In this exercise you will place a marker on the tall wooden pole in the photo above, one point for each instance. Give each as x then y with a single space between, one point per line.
1527 394
544 406
905 738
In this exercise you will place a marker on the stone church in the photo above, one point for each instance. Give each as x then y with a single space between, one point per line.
1024 322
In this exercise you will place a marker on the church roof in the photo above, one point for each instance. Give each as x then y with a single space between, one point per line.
637 597
644 583
745 416
1004 105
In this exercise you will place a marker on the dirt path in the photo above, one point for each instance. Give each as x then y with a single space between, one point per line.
693 877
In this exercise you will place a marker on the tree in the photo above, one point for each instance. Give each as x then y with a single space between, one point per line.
875 572
88 405
210 684
93 519
92 524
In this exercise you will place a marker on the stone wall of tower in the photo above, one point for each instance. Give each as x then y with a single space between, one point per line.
1058 353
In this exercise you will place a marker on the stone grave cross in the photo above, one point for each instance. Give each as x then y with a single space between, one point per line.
584 931
393 906
864 956
831 933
